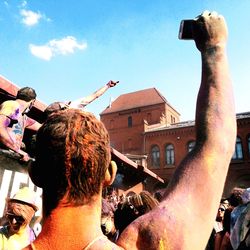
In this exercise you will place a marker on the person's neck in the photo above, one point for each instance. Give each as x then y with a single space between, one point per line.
69 227
23 105
23 232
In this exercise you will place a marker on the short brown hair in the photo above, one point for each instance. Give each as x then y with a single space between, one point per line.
26 94
73 153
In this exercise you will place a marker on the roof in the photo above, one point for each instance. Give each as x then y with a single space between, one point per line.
9 89
243 115
141 98
184 124
130 173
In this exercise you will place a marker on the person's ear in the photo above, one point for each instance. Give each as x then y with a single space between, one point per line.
110 173
37 174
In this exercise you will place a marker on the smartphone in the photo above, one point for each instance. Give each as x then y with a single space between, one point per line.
185 31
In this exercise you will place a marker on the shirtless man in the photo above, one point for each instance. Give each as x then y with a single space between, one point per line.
14 120
73 165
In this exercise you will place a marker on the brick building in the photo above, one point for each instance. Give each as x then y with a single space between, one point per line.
147 129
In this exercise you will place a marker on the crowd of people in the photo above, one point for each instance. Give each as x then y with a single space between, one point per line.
119 211
73 165
231 230
228 232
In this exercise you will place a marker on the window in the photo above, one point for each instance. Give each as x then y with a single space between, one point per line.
248 143
130 121
190 146
172 119
238 150
169 154
155 157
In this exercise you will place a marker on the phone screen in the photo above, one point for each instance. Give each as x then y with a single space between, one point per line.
185 31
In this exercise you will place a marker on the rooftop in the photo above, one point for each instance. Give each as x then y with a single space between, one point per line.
137 99
160 126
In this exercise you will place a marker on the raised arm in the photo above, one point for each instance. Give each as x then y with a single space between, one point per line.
184 219
82 102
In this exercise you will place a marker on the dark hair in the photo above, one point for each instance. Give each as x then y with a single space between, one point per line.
54 107
133 207
235 197
72 155
27 94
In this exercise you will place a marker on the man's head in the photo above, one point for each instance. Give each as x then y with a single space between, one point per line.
26 94
20 209
72 158
54 107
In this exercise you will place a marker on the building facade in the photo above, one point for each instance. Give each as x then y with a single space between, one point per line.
147 129
127 116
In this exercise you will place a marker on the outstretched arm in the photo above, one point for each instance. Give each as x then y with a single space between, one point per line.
82 102
184 219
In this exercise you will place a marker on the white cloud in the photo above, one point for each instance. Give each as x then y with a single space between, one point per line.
43 52
66 45
54 47
29 17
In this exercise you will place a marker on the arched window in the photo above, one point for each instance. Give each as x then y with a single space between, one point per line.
169 154
130 122
238 154
155 157
190 146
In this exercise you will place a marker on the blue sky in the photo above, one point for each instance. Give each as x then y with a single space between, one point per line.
68 49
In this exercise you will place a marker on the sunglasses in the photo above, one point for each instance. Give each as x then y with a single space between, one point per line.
19 219
221 209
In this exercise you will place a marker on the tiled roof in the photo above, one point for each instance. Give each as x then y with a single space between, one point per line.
136 99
